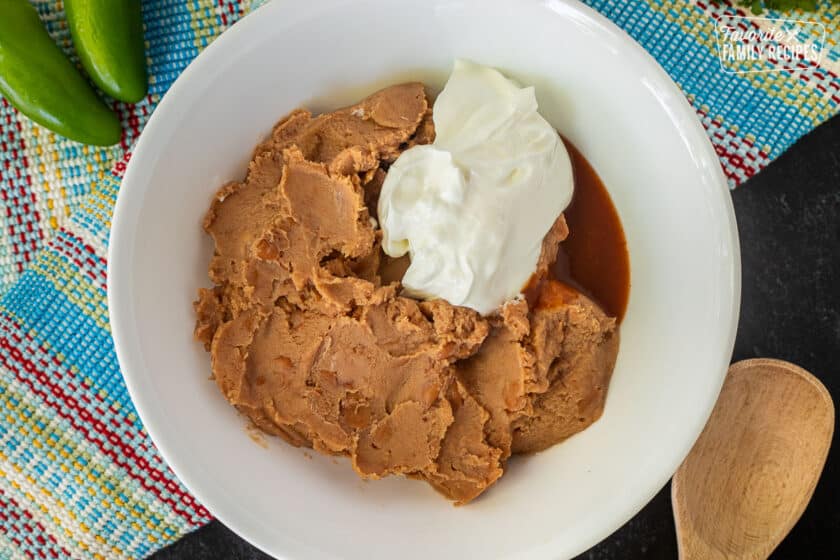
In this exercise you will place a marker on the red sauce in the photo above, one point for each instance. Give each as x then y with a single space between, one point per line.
551 293
594 257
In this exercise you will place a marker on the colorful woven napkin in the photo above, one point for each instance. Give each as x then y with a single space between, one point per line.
79 476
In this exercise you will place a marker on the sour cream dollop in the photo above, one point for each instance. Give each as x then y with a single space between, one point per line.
471 209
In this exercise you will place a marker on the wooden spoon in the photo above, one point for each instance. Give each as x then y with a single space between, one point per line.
754 468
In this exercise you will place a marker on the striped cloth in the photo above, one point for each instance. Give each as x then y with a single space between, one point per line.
79 476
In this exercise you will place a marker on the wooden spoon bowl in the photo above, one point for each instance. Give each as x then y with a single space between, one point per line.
754 468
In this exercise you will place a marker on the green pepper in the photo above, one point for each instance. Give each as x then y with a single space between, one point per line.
38 79
108 35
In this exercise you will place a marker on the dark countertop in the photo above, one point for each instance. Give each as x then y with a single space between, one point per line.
789 223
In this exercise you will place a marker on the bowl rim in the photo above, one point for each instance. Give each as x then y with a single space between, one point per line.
684 118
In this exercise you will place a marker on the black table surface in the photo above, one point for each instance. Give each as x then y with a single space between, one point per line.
789 224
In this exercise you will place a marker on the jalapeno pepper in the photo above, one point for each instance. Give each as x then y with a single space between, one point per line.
108 35
38 79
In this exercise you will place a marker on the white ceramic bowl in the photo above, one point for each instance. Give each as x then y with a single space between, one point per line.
604 93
